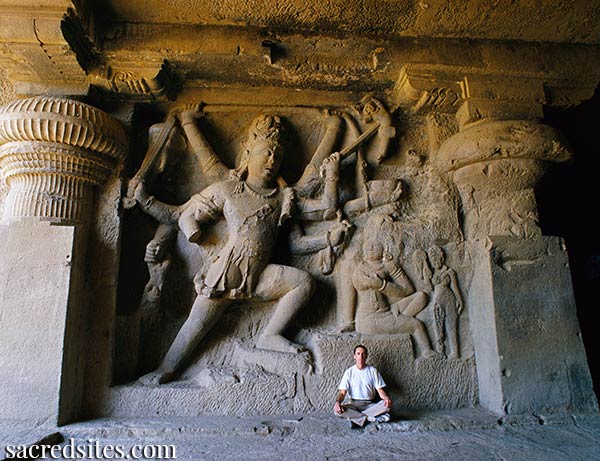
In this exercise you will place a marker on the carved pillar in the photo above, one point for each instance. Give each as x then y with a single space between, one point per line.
496 165
521 306
52 151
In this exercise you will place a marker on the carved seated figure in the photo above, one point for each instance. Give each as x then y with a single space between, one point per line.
253 206
387 302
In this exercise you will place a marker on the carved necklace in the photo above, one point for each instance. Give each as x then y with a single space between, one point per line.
256 194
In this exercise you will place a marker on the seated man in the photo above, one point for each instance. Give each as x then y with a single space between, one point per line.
361 383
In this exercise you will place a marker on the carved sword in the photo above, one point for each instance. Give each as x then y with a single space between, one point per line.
368 134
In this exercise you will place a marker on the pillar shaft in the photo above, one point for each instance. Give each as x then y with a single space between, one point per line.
528 348
52 153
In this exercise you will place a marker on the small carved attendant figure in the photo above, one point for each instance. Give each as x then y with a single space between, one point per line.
387 301
447 302
254 206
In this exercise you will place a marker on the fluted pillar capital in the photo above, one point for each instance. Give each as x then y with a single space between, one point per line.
52 151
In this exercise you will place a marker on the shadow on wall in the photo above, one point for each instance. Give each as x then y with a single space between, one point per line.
569 207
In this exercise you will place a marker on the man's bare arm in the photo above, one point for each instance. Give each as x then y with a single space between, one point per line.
337 407
385 397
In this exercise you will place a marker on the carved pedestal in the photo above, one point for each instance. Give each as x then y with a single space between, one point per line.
528 348
52 152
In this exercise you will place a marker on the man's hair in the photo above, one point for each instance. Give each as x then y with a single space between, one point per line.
360 345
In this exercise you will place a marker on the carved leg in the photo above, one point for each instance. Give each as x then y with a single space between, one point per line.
150 324
451 326
158 259
203 315
293 287
439 316
406 325
345 295
410 305
422 339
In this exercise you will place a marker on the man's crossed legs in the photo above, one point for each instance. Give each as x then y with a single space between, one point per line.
359 411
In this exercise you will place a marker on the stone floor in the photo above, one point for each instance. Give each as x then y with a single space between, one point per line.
457 435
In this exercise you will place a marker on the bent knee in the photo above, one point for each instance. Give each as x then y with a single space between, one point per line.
305 283
413 324
421 297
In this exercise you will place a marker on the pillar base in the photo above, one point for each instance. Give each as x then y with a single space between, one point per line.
40 322
528 349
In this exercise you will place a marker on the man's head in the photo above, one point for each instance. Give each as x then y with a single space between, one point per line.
263 149
360 356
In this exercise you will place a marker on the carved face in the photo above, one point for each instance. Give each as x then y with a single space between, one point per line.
369 109
360 358
264 160
373 250
436 257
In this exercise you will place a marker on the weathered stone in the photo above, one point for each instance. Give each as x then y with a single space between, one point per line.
496 165
51 151
528 348
41 320
414 133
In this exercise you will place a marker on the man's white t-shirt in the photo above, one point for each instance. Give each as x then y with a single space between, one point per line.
361 384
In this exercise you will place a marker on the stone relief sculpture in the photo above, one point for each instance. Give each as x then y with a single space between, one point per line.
334 208
395 212
387 302
254 202
447 302
164 141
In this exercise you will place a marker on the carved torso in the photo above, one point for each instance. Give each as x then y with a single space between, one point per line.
370 300
442 289
253 221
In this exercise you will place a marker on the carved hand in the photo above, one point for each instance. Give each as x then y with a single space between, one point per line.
140 194
375 281
189 112
154 252
369 281
338 231
336 235
330 167
374 110
331 117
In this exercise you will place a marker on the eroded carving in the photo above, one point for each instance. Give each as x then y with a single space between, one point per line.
496 165
447 302
387 302
254 206
254 202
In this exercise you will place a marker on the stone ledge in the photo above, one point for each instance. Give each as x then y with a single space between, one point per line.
275 383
